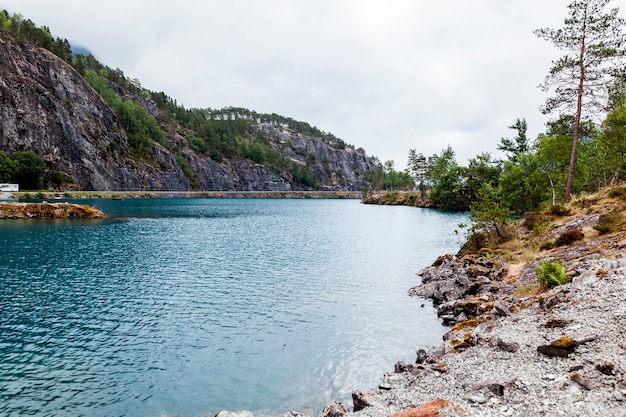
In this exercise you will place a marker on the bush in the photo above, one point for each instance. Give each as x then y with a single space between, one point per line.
29 168
607 223
551 274
568 237
617 192
559 210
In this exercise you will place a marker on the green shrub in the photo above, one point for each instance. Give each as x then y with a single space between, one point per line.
560 210
551 274
390 197
607 223
568 237
617 192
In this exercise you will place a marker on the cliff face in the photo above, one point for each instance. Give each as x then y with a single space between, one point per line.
47 107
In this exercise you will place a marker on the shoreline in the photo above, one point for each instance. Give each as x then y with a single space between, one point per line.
560 353
120 195
514 348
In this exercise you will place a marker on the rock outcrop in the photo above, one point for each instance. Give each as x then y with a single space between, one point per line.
47 107
48 211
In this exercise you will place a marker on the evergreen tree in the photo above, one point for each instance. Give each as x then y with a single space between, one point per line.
517 146
592 40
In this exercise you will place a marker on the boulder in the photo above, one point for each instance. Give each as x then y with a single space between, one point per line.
335 409
436 408
364 399
559 348
510 347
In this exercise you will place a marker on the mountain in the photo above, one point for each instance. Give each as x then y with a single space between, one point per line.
98 130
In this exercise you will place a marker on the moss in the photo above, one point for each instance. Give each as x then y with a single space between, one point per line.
463 344
602 273
606 368
565 343
468 324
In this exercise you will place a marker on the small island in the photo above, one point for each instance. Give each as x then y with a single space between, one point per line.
48 211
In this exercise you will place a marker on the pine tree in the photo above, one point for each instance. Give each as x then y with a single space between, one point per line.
594 44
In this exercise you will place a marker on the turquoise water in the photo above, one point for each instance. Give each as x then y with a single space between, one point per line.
190 306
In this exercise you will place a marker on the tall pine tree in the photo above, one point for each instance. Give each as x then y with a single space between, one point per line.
593 43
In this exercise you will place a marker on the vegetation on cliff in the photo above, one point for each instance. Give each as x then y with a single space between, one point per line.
150 130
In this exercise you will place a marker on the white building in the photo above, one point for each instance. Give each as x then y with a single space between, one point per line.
9 187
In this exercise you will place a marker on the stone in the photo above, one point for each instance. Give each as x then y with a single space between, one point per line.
402 367
293 414
242 413
335 409
581 380
559 348
606 368
510 347
364 399
501 309
493 387
433 409
552 323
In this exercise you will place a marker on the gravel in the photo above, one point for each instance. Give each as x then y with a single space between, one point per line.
502 373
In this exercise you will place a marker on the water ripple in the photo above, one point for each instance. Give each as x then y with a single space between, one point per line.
192 306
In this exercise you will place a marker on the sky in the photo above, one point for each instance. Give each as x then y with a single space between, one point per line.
384 75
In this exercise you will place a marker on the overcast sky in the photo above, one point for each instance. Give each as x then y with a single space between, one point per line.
384 75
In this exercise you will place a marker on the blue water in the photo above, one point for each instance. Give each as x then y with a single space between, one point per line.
190 306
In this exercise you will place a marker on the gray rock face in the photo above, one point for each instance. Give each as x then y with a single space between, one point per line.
47 107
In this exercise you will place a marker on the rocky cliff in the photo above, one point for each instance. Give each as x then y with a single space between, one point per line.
46 106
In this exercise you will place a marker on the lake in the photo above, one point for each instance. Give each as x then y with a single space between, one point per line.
190 306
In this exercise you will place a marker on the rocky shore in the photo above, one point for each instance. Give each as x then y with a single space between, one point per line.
516 348
48 211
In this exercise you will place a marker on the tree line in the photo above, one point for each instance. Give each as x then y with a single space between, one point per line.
24 168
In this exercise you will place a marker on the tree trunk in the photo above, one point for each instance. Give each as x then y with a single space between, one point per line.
579 109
